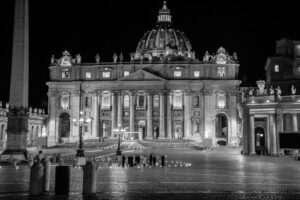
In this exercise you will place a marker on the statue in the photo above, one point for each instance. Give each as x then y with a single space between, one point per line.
30 109
131 56
78 59
235 56
52 59
243 96
261 87
251 91
293 90
121 57
271 90
206 57
7 105
278 90
115 58
97 58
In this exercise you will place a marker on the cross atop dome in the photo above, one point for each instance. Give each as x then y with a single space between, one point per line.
164 14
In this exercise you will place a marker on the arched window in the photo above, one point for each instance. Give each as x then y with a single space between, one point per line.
126 101
141 101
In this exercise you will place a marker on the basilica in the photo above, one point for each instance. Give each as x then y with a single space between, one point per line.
164 92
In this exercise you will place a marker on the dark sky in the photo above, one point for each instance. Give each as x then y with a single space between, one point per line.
106 26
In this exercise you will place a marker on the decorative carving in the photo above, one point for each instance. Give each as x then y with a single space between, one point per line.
18 111
261 87
66 59
222 57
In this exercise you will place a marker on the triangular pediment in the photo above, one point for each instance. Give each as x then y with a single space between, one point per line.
141 75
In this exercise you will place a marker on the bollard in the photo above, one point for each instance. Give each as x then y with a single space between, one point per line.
62 180
47 165
36 184
89 178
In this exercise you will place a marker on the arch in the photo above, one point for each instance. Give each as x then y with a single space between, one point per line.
260 141
221 128
64 125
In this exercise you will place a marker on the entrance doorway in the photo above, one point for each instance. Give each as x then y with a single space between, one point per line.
221 129
64 126
142 129
260 141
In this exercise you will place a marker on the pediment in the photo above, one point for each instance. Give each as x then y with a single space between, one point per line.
141 75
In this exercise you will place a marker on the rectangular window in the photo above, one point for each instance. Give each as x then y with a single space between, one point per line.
126 73
65 73
88 75
221 71
106 74
177 73
196 74
276 68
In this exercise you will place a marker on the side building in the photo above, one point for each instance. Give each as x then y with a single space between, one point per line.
36 125
163 92
273 107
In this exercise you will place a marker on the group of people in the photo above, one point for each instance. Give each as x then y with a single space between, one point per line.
137 160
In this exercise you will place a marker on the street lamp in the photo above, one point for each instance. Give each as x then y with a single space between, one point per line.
120 131
83 121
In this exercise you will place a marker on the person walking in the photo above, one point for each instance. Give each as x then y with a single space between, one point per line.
154 160
150 159
123 161
144 160
162 160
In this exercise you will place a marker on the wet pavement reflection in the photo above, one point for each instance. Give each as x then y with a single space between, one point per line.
217 174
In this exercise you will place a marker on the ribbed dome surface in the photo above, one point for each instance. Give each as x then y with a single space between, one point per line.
164 42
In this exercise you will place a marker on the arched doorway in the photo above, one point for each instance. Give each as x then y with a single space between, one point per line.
221 129
64 125
260 141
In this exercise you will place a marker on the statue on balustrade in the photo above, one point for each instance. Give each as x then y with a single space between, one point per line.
293 90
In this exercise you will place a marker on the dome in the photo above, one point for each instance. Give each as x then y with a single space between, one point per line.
164 42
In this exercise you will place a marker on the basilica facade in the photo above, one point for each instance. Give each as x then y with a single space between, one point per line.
163 92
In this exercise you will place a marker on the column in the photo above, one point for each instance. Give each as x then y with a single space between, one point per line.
114 112
252 136
273 136
120 109
187 114
95 121
295 123
132 109
169 117
52 108
245 127
162 115
149 116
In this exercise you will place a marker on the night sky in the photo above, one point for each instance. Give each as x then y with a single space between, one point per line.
106 26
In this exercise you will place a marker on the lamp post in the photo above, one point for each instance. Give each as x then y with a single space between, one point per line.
83 121
120 131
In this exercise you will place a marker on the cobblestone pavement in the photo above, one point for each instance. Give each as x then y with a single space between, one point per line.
214 174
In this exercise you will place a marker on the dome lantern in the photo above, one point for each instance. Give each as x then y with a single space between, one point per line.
164 14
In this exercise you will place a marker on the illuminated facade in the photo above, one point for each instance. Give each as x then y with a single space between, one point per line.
273 107
163 92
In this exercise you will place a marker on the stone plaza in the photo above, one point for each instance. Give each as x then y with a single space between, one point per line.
220 173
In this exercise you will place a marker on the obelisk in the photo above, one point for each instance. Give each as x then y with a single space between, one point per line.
17 122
